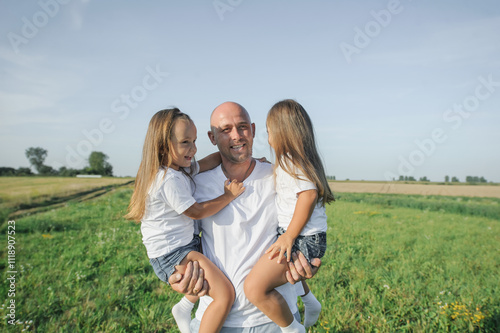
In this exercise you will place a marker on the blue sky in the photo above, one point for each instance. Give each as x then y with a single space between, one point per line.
393 87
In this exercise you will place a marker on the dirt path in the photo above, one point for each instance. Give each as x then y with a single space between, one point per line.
60 201
394 188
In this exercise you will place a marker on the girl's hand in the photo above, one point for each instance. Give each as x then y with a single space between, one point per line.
282 245
233 188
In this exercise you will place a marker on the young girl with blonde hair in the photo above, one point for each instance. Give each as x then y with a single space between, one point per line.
163 202
302 192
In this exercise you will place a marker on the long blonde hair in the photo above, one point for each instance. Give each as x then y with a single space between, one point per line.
292 138
156 153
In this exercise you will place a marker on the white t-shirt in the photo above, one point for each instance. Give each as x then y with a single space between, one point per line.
287 188
164 228
235 238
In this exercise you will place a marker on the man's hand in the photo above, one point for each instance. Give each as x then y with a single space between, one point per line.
300 269
192 283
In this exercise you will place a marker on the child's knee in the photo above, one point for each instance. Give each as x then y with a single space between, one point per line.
225 294
231 294
252 290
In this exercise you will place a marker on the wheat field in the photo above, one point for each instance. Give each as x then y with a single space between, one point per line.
492 191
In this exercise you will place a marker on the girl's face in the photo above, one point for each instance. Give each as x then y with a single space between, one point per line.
183 144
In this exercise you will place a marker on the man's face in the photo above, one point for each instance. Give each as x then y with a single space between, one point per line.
233 133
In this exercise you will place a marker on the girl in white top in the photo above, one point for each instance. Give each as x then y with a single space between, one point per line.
163 201
302 192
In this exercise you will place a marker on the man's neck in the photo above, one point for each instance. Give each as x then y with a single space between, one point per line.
238 171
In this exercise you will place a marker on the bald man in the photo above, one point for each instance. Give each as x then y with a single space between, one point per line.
236 237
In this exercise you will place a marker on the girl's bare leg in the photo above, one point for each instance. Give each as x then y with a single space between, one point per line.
259 288
219 288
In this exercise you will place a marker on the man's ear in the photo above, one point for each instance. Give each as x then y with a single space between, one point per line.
211 136
253 130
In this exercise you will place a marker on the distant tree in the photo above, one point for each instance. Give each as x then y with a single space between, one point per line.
24 172
6 171
455 180
411 178
401 178
36 156
423 179
99 165
472 179
65 172
446 179
475 179
46 170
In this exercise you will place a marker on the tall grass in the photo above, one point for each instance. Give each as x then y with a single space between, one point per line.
398 269
83 268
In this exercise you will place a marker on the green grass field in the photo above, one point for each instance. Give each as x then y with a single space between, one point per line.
389 268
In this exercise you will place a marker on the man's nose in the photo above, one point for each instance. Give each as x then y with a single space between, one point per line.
235 134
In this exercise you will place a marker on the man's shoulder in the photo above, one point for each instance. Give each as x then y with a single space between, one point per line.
208 175
263 170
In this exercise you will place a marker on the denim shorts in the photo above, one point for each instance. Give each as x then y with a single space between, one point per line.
311 246
164 266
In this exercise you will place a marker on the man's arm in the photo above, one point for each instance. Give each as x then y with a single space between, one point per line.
192 282
300 269
209 162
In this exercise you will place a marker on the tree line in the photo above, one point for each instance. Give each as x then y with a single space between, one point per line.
98 165
468 179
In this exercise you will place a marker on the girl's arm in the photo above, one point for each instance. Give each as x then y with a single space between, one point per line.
201 210
306 202
210 162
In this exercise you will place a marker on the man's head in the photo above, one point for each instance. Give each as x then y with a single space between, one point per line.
232 131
